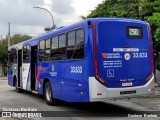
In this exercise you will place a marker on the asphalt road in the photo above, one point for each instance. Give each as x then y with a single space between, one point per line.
119 109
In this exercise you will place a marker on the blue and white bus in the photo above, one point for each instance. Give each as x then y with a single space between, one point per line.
96 59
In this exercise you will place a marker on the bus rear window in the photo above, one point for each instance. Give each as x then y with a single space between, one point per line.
134 32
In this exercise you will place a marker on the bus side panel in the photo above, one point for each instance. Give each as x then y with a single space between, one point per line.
55 81
71 77
49 71
66 85
76 85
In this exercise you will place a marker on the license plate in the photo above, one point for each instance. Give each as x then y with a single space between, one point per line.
127 84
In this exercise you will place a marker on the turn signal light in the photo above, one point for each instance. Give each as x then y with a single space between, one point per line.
149 77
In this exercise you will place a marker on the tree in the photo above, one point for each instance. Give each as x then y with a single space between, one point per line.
116 8
17 38
151 13
50 28
146 10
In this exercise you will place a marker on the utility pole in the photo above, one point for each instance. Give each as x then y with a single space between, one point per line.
9 35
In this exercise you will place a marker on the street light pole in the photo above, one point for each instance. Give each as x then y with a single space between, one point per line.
50 15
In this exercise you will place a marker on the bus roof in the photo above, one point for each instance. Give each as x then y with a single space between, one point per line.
35 41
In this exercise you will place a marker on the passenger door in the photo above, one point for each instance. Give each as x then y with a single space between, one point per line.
34 82
26 68
19 68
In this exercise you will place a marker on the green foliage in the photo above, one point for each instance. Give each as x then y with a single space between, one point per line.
50 28
4 46
116 8
147 10
17 38
154 19
157 35
3 51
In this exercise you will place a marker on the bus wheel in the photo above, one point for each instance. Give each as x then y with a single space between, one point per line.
48 93
16 87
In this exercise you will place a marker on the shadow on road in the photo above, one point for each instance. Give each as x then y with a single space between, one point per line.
92 109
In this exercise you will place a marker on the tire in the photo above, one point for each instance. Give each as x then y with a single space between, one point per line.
48 93
16 87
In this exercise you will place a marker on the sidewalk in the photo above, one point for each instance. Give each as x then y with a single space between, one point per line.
157 90
3 77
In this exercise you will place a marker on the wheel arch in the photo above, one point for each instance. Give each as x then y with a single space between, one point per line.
44 82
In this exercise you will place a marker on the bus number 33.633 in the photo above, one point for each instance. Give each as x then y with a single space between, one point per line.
76 69
140 55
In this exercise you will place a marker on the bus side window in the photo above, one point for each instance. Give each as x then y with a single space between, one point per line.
62 47
54 47
48 50
75 49
42 50
26 49
71 42
58 51
80 44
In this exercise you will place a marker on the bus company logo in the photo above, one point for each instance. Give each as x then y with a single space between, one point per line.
53 72
52 67
6 114
104 55
127 56
111 55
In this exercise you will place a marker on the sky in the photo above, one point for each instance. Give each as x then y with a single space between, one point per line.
24 19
